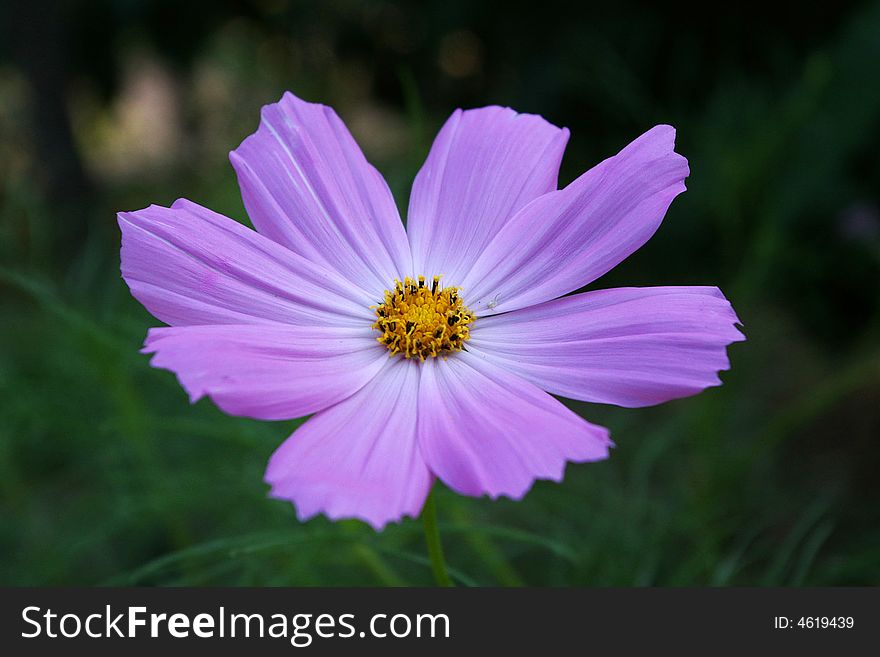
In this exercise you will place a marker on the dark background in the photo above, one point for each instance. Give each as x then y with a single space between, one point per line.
108 476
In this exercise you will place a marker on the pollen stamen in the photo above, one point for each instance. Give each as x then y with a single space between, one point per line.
421 322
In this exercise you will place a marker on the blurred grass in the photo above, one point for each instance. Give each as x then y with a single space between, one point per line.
109 476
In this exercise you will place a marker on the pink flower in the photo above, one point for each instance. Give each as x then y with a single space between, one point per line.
322 310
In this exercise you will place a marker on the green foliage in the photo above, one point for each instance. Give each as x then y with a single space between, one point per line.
109 476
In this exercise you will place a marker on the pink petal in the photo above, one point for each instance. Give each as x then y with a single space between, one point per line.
485 165
189 265
483 430
625 346
306 185
269 372
360 458
568 238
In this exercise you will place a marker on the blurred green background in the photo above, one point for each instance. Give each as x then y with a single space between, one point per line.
109 476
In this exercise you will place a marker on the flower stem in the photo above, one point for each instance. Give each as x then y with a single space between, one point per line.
435 547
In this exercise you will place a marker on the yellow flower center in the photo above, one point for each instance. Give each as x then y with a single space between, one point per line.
420 321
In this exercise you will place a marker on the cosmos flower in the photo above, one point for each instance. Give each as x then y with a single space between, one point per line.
431 351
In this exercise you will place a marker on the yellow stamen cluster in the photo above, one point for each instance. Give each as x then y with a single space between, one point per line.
421 321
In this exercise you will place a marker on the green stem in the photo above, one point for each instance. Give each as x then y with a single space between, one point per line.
435 547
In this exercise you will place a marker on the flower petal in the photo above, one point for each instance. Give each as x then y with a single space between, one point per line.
360 458
483 430
188 265
268 371
307 185
624 346
568 238
485 165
